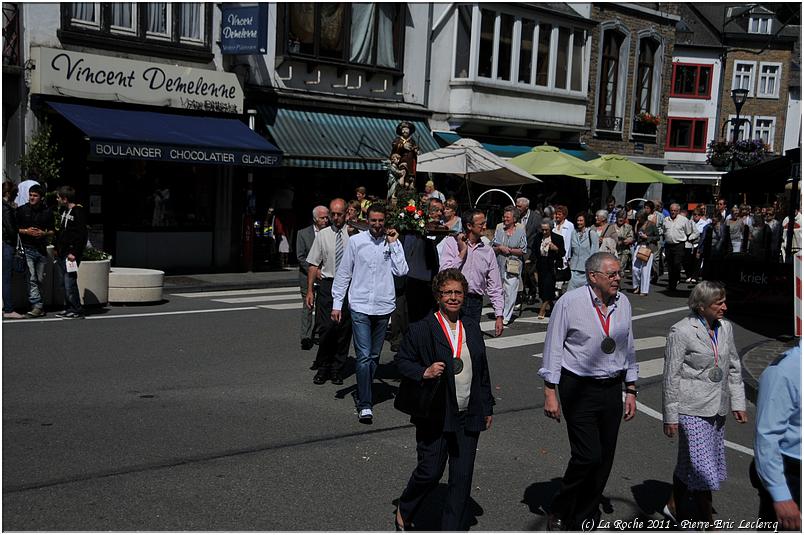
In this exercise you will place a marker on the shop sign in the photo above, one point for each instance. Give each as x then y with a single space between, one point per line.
244 30
169 153
73 74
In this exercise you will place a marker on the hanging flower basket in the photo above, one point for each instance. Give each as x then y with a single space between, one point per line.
719 153
749 152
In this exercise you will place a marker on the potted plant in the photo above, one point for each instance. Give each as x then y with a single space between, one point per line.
41 161
748 152
718 153
645 123
93 277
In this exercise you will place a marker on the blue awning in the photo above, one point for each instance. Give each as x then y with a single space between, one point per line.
147 135
336 141
510 151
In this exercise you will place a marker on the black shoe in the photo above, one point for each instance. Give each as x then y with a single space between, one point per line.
306 344
320 377
335 378
555 524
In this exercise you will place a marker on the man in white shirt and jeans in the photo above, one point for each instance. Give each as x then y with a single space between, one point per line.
369 263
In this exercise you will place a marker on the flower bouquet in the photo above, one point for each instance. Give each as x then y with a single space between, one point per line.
409 213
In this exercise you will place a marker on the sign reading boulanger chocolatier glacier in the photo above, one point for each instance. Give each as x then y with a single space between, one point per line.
74 74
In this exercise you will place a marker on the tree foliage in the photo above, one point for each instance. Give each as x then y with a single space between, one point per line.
41 161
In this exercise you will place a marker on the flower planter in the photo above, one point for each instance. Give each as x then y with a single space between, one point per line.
719 160
93 282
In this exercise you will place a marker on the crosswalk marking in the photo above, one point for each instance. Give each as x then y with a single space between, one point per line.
651 342
232 293
651 368
282 306
505 342
260 299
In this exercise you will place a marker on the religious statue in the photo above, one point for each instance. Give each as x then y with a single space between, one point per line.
398 178
406 148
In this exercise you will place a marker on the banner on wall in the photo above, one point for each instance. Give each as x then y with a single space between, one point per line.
244 30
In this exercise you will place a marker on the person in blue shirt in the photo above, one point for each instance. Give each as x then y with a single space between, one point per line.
776 469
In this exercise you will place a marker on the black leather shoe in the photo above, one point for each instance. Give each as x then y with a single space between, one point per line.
306 344
320 378
335 378
555 524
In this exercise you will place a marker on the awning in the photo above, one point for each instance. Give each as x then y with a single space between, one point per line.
337 141
147 135
511 151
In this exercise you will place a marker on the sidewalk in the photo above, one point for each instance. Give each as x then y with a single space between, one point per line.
232 281
759 357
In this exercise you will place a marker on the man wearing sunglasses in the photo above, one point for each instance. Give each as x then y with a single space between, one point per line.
588 355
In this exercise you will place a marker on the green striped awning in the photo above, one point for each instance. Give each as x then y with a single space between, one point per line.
327 140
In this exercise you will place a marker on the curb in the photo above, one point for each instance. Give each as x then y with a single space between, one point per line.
205 286
751 379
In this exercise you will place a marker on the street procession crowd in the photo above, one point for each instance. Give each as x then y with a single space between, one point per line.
424 292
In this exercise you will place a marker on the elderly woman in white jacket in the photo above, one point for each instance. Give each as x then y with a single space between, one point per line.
702 381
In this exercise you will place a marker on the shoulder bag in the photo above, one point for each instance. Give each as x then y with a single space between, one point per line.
20 262
415 398
643 253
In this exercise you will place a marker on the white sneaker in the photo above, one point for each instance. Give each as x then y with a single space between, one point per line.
13 316
365 415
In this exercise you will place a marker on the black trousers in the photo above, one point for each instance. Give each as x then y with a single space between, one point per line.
433 448
333 346
473 306
792 473
593 410
691 264
674 253
399 317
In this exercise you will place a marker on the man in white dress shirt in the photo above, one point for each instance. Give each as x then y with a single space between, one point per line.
369 265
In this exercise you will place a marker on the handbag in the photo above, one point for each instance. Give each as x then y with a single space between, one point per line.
415 398
513 266
20 262
643 253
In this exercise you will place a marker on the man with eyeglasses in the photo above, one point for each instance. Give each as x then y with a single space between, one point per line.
304 241
367 272
478 263
588 355
325 255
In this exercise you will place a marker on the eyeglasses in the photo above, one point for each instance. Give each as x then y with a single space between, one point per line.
610 274
451 293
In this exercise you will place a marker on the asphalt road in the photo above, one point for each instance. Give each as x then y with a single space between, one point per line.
200 414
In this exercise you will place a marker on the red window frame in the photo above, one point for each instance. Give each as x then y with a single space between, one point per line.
708 94
690 148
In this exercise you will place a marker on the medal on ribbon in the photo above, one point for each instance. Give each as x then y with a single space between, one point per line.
608 345
455 345
715 374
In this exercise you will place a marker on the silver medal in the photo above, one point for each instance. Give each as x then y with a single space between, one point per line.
716 375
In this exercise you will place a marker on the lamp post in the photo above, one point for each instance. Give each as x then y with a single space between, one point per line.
738 96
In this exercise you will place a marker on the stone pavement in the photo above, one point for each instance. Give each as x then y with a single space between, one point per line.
759 357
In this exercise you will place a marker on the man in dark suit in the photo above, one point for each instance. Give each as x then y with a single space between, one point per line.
531 220
304 240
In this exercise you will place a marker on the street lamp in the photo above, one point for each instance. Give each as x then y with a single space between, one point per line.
738 96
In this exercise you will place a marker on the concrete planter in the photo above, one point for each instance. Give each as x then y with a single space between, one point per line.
93 282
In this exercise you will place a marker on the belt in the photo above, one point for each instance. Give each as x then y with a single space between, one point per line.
601 381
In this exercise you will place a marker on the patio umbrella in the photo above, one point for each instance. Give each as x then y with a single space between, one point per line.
467 158
628 171
547 160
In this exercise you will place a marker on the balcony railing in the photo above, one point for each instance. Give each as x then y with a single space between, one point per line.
11 34
644 129
610 123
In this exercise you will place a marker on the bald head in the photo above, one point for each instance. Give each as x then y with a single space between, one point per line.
337 212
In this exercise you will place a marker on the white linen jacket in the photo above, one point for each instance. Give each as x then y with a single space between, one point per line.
688 358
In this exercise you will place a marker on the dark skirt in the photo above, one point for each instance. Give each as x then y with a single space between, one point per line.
547 281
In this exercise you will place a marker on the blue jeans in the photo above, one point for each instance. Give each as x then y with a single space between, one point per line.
8 265
72 300
36 274
369 335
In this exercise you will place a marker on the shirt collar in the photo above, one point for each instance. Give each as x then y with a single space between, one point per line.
597 300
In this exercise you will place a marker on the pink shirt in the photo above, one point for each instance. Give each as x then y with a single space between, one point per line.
480 269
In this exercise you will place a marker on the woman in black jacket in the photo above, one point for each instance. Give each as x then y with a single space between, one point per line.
443 347
548 258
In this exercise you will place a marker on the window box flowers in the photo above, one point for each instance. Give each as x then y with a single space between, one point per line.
645 123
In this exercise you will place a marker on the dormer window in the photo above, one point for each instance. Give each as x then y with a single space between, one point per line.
759 24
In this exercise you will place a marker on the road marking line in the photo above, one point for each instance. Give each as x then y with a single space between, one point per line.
282 306
505 342
651 368
659 313
260 299
651 342
225 293
658 416
174 313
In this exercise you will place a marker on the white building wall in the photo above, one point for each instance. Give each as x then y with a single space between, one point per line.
697 108
792 129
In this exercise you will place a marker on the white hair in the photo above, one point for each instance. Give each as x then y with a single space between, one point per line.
602 213
524 200
318 209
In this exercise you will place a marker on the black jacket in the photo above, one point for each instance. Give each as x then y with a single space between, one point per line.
425 344
554 259
9 224
37 216
72 236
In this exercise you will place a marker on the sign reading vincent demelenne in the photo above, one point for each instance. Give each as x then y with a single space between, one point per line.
67 73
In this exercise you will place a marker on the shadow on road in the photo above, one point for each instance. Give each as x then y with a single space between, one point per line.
428 517
651 495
